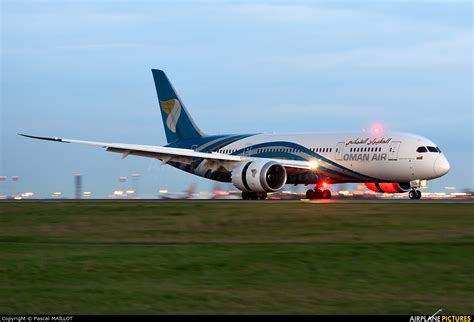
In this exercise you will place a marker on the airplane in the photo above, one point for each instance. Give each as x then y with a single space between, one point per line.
189 193
257 164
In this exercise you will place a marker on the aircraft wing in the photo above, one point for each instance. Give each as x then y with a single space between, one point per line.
214 160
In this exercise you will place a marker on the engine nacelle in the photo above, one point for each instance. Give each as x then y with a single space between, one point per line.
259 176
388 187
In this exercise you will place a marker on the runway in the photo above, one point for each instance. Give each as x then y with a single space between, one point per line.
346 200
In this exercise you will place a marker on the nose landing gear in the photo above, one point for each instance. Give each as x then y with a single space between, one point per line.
414 194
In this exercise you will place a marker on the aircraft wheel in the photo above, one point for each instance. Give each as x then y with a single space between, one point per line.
245 195
412 194
418 194
319 194
326 194
310 194
262 195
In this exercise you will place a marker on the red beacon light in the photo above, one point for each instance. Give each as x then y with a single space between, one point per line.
322 184
376 130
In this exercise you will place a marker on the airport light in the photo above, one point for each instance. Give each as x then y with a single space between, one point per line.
130 192
163 191
118 193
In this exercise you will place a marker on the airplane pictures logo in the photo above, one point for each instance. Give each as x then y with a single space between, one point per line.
171 107
440 318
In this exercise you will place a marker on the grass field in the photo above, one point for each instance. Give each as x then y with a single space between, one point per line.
236 257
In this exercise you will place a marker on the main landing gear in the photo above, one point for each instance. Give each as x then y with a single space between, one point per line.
318 194
414 194
254 195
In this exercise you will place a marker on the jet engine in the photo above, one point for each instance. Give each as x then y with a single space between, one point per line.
389 187
259 176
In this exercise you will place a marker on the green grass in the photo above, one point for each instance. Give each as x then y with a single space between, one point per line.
236 257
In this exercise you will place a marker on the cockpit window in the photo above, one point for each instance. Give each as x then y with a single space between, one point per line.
421 149
439 150
432 149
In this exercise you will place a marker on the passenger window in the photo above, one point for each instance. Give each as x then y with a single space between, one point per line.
432 149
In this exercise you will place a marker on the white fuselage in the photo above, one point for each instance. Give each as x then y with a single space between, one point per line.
349 157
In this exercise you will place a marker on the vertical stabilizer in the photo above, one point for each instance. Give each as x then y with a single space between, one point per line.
176 119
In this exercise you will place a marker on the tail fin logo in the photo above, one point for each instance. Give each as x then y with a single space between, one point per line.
171 107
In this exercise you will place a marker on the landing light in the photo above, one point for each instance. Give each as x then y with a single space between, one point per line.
313 165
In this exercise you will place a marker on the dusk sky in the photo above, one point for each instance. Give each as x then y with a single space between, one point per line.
82 70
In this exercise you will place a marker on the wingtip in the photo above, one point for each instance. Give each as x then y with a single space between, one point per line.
41 137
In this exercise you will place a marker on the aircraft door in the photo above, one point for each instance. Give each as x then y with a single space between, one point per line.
339 150
393 150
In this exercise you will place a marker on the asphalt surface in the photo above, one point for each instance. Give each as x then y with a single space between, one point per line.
332 200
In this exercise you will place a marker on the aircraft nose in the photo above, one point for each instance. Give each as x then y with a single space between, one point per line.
441 165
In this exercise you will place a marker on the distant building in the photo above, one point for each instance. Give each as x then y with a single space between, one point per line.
78 186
